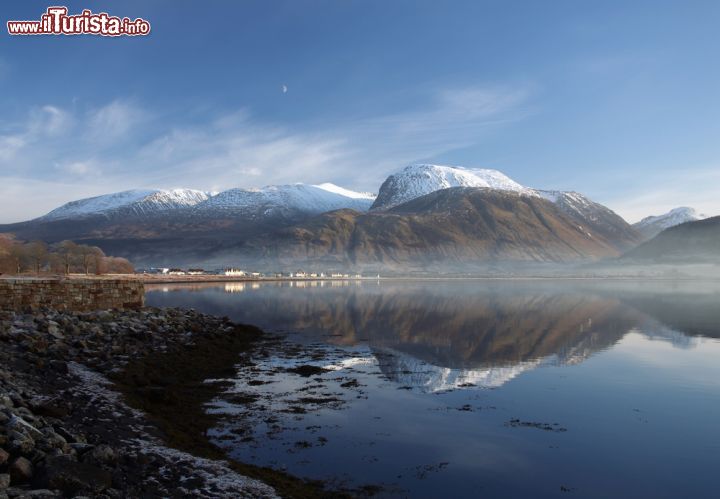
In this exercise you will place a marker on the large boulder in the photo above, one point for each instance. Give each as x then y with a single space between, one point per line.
72 477
21 470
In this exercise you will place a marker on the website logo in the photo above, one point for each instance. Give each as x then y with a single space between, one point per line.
56 21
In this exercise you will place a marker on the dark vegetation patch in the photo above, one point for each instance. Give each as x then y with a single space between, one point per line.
170 388
307 370
317 400
516 423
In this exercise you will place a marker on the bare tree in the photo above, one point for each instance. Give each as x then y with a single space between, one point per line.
17 257
89 256
68 252
6 244
100 263
64 257
37 252
115 265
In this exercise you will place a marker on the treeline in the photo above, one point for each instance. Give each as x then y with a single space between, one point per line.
66 257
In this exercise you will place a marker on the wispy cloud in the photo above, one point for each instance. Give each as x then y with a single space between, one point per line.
124 144
667 190
115 120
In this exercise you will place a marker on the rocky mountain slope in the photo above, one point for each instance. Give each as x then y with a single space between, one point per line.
461 225
418 180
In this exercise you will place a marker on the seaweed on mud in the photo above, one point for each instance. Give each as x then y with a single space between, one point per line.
554 427
169 386
307 370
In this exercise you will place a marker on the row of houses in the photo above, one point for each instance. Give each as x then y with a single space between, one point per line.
237 272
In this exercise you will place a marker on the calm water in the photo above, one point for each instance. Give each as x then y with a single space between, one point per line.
478 388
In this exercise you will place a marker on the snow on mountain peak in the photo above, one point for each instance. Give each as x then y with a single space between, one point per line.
418 180
652 225
327 186
292 198
287 199
137 200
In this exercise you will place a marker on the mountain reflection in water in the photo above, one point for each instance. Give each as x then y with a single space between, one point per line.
476 388
437 335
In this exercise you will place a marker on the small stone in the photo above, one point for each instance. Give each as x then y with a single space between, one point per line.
21 470
103 454
4 481
54 330
39 494
69 437
21 425
4 457
59 366
20 443
53 407
81 447
71 477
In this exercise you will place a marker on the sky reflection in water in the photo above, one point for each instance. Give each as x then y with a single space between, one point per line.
480 388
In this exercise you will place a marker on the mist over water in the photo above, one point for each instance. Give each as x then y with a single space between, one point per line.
485 387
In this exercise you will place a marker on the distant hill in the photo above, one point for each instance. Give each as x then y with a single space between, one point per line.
687 243
651 226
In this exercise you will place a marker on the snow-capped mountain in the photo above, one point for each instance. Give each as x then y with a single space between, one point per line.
415 181
270 200
134 202
423 215
653 225
285 200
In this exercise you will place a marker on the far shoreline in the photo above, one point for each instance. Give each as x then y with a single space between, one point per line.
186 279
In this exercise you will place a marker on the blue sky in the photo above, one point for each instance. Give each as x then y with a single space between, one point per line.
618 100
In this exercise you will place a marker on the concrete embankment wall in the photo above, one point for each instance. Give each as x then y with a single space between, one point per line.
71 294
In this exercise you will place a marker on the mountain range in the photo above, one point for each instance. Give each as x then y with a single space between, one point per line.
423 215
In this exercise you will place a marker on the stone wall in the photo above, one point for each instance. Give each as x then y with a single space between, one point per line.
71 294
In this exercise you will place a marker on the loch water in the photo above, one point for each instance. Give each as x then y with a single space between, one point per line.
476 388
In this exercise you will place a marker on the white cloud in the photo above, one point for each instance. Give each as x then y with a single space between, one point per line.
80 168
54 122
131 149
25 198
10 145
115 120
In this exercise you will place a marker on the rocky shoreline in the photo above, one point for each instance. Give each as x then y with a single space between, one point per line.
110 404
